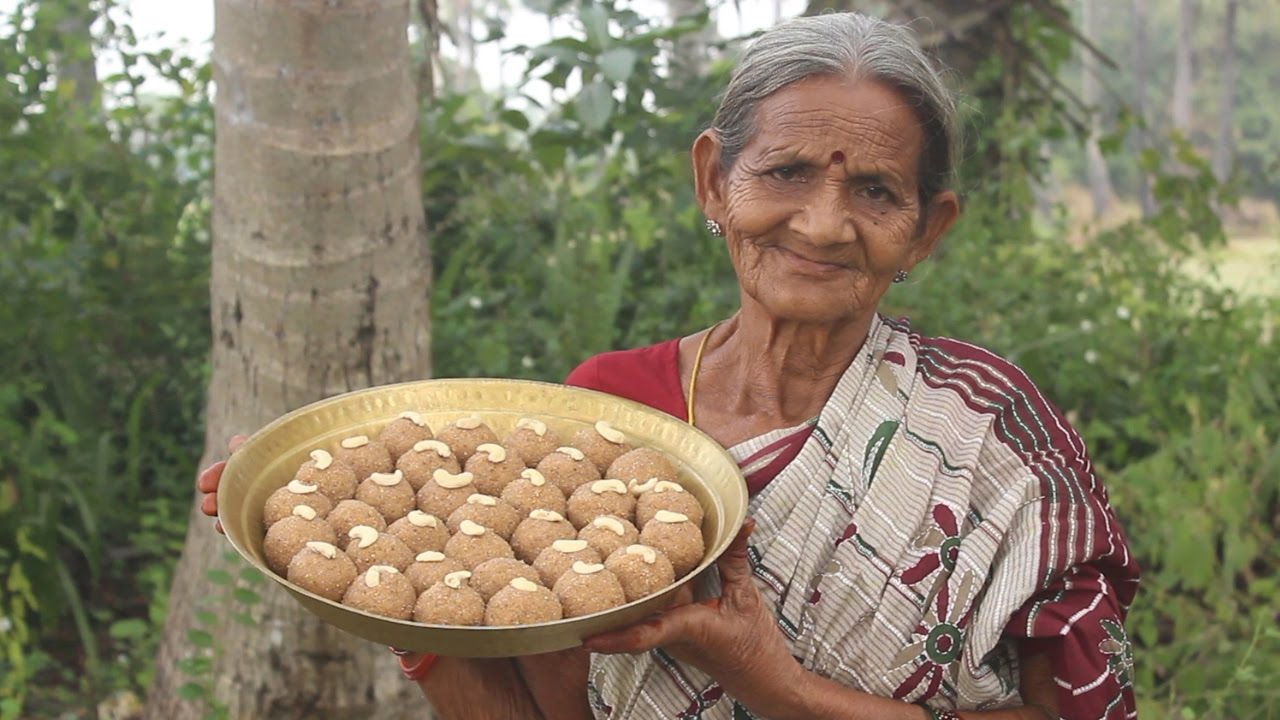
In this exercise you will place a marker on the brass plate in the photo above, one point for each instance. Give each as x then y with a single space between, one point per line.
271 457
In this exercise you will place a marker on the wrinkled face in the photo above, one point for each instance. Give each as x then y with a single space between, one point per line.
822 207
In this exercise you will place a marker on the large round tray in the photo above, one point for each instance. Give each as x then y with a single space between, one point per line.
271 457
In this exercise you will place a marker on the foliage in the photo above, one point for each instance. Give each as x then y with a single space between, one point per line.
559 231
103 335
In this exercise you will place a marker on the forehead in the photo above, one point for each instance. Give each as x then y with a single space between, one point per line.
861 118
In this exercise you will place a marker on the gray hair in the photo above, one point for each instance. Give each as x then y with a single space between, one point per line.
841 44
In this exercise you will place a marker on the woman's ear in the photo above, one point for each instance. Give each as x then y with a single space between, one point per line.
708 178
944 210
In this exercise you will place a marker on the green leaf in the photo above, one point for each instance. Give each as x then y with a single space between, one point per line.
130 629
205 617
515 119
618 63
252 576
246 596
595 21
595 105
219 577
192 691
195 665
199 638
244 619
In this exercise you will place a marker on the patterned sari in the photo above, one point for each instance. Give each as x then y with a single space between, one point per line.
937 514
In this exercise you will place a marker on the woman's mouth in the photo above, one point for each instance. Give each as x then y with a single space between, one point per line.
799 263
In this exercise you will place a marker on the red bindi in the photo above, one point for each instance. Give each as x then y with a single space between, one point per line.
837 157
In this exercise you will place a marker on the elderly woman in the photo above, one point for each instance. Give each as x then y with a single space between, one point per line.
928 537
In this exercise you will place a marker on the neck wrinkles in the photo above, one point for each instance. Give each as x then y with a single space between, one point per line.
784 370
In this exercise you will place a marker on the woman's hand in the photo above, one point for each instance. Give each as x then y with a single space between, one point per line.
733 638
207 481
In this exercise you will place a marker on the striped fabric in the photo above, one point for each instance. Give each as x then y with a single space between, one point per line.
939 513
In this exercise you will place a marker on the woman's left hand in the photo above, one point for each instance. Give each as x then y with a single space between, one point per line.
733 638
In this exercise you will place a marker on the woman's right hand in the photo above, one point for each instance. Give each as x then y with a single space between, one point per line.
208 480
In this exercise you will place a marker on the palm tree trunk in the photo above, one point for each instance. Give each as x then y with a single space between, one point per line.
1224 149
1099 176
320 279
1141 77
1183 67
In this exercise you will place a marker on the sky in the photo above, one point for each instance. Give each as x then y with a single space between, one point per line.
162 23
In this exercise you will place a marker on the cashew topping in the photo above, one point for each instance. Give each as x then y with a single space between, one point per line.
538 427
297 487
474 529
666 516
306 512
547 515
322 459
364 534
611 524
390 479
352 443
449 481
323 548
524 584
600 487
421 519
480 499
583 568
569 546
434 446
646 553
608 432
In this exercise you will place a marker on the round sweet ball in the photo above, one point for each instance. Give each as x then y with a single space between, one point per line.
602 497
349 514
368 547
323 569
337 481
465 435
607 533
420 531
602 444
557 559
588 588
452 601
281 503
532 440
670 496
641 569
491 576
487 511
421 462
531 491
382 590
285 538
494 467
568 468
642 464
401 434
677 538
537 531
389 494
445 492
364 456
474 544
429 568
523 602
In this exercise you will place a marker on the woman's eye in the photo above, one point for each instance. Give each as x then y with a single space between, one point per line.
878 193
787 173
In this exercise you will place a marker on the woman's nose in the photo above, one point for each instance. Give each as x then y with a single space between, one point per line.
826 218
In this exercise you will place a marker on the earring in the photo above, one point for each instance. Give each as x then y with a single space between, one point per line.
714 228
900 276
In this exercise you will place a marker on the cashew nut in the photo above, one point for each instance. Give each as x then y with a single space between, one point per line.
496 452
667 486
413 417
364 534
297 487
468 423
569 546
640 488
323 548
538 427
646 553
466 527
572 452
524 584
421 519
611 524
352 443
608 432
429 556
449 481
666 516
534 477
457 579
434 446
479 499
306 512
583 568
600 487
387 479
547 515
374 574
322 459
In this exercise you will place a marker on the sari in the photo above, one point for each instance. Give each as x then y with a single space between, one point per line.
936 516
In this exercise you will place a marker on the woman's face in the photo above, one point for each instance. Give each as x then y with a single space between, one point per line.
822 207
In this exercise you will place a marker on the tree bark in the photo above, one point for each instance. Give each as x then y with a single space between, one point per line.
1141 77
692 53
320 284
1224 149
76 63
1183 67
1099 176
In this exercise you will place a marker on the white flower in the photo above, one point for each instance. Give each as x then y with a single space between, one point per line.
475 302
526 361
1086 326
5 624
1123 313
1091 356
1081 297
